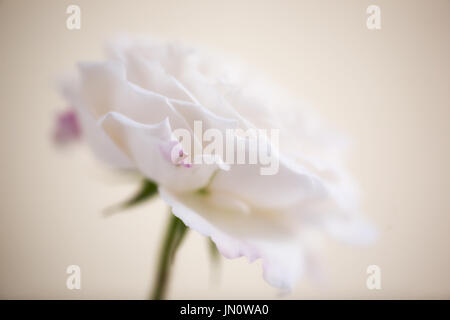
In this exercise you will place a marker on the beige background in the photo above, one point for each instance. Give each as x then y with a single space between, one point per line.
388 89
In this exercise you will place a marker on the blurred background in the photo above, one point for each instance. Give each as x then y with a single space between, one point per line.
388 89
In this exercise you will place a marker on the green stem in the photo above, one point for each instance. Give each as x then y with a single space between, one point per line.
214 252
215 259
174 235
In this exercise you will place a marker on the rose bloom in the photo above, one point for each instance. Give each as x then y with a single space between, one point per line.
129 106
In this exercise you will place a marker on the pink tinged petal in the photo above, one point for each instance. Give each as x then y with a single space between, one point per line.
173 152
67 127
142 144
185 164
104 88
238 233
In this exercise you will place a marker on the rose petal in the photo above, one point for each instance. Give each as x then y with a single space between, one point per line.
236 234
142 143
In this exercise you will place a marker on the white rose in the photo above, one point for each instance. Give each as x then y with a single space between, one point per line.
129 107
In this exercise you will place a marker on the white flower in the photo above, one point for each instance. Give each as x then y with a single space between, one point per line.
129 107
